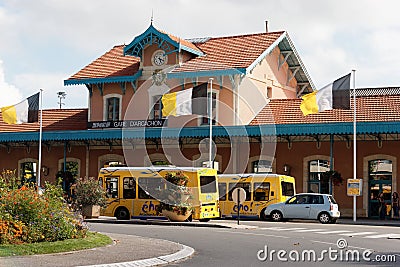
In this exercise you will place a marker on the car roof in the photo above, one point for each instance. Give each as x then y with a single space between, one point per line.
314 194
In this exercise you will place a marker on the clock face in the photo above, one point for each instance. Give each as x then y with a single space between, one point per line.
159 58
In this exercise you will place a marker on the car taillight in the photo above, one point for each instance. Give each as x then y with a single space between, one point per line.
331 208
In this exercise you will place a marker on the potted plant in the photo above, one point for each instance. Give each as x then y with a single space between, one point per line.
334 176
175 198
90 196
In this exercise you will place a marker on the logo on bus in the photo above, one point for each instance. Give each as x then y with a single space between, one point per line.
148 206
241 207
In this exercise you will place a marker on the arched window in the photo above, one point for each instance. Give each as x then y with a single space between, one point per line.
262 166
112 107
315 170
28 170
110 158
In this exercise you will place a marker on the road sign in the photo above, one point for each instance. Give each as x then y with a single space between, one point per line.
354 187
238 196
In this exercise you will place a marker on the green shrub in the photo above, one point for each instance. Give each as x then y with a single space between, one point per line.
89 192
42 217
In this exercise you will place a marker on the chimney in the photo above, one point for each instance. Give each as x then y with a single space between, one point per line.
266 26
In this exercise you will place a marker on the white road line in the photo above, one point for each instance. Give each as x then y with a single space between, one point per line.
309 230
378 236
289 229
333 232
360 233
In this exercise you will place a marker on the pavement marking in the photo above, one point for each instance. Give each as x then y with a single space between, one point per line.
359 233
378 236
282 229
333 232
309 230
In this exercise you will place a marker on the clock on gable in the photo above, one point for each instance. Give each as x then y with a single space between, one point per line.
159 58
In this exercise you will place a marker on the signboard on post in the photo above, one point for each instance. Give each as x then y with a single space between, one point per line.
354 187
238 196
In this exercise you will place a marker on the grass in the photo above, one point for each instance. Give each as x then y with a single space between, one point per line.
91 241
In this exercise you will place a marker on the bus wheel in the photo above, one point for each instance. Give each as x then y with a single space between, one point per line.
204 220
122 214
262 215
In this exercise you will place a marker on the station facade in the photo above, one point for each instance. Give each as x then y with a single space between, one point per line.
255 82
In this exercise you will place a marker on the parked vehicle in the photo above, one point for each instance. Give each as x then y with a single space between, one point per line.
262 189
322 207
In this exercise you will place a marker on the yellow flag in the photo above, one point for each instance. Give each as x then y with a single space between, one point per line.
309 104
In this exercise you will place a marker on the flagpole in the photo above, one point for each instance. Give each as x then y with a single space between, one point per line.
210 121
40 141
354 144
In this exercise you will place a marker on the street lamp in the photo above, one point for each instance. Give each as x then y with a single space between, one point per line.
61 96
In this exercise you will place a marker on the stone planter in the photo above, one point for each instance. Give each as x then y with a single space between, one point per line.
174 217
91 211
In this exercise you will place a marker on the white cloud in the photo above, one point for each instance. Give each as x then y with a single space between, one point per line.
52 83
10 94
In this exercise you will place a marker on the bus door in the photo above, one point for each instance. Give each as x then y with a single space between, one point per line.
149 189
246 209
112 190
128 194
261 196
222 186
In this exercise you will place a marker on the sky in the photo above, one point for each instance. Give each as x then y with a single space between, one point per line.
44 42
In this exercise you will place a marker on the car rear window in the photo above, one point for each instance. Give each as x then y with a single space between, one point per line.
333 201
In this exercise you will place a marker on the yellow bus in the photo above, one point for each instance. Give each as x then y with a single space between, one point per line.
132 191
261 190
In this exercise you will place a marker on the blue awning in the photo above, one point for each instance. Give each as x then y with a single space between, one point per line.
340 128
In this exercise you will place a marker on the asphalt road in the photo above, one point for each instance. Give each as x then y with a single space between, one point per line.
277 244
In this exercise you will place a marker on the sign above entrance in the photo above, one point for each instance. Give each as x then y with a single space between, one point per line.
125 124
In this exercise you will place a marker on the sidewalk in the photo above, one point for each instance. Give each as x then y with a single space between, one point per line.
126 250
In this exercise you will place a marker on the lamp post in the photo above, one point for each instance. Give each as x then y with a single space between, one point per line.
61 96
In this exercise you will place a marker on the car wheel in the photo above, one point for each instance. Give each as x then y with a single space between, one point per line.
122 214
276 216
263 217
324 217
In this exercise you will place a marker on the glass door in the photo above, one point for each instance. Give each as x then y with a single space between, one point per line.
380 180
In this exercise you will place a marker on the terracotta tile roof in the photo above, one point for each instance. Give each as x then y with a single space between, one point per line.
230 52
369 108
180 40
53 120
111 64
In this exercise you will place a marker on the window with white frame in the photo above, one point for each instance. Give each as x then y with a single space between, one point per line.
156 112
316 168
28 171
112 107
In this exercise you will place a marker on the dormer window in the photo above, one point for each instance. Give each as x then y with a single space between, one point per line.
112 107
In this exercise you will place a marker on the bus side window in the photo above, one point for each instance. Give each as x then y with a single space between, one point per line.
129 191
261 191
150 188
222 191
245 186
112 187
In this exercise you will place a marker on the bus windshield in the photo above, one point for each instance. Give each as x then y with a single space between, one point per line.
208 184
287 189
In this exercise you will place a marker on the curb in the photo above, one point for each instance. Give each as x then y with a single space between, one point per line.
168 223
184 253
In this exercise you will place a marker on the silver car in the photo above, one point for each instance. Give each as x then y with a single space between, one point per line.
322 207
